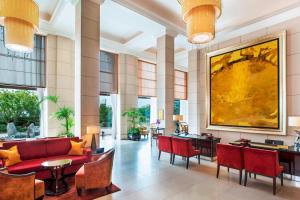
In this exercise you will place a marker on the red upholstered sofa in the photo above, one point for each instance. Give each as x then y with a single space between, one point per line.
34 152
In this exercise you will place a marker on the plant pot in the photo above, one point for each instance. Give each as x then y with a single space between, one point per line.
134 137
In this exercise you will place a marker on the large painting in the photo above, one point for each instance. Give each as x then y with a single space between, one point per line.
245 87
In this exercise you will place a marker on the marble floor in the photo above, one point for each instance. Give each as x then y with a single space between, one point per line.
141 176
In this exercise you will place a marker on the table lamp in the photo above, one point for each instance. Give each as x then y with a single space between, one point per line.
92 130
294 121
177 119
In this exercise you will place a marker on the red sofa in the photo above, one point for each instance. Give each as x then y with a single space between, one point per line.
34 152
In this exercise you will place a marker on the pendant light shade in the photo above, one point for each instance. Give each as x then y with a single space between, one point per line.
20 20
200 17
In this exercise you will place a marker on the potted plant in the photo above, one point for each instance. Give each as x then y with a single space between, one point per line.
134 117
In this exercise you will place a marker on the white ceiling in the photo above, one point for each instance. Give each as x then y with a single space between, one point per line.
132 26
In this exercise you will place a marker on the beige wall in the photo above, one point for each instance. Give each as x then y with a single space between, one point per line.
59 78
293 77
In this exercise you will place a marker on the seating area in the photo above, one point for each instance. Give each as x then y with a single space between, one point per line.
143 100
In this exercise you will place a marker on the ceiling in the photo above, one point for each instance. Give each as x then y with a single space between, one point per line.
132 26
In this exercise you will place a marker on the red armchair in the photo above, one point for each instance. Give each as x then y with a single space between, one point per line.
165 145
183 147
230 156
262 162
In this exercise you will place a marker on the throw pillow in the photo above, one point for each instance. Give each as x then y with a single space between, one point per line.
77 148
10 156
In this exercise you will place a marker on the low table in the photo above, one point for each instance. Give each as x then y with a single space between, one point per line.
58 179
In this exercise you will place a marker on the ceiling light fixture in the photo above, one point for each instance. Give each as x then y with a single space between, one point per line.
20 20
200 17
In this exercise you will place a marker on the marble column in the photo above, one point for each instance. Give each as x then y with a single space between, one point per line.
87 62
165 81
194 91
128 91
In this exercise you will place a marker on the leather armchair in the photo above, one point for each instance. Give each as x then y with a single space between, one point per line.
230 156
263 162
21 186
97 174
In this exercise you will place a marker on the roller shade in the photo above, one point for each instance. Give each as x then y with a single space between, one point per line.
23 70
146 79
108 72
180 85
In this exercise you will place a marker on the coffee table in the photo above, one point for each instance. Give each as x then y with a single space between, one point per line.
57 168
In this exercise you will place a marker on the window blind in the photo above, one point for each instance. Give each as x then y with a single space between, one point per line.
108 73
23 70
146 79
180 85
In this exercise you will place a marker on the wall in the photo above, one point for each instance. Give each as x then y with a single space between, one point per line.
293 77
59 79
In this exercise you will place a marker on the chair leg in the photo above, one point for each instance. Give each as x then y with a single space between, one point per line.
187 162
199 159
281 178
40 198
79 191
274 185
173 159
218 170
108 188
159 153
254 176
249 174
227 169
241 174
171 156
245 180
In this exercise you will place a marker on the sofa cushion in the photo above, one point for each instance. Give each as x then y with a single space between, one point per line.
26 166
29 149
58 146
10 156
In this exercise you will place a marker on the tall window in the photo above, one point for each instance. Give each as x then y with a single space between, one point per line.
108 73
180 85
21 75
105 112
146 79
144 105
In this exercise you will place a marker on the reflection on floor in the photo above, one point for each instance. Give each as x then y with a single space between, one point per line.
142 177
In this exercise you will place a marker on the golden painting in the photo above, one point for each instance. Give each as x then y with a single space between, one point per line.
245 87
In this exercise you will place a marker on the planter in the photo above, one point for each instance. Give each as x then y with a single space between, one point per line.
134 137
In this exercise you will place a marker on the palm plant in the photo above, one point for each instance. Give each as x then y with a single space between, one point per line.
134 117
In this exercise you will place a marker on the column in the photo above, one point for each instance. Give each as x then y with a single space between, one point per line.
87 62
193 91
165 81
128 90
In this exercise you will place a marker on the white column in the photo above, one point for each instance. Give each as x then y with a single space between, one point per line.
153 109
128 90
87 62
165 81
194 92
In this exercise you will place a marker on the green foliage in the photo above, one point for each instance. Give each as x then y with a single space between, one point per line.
134 117
105 115
64 114
134 131
20 107
176 107
145 111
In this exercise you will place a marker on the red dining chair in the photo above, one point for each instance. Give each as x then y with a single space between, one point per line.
263 162
183 147
230 156
165 145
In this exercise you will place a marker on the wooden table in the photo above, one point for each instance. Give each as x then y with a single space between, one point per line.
289 156
207 145
56 166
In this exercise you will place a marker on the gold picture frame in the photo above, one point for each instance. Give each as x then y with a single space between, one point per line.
237 122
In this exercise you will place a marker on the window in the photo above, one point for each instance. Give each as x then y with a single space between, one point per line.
105 112
176 107
23 70
180 85
146 79
108 73
144 105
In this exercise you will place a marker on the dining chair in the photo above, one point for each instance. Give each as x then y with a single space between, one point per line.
230 156
262 162
184 147
165 145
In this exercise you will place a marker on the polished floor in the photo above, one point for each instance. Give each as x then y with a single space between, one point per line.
142 177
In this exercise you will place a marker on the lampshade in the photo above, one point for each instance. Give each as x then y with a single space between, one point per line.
200 17
294 121
177 117
20 20
92 129
161 115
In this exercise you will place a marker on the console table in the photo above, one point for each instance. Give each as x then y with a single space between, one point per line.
207 145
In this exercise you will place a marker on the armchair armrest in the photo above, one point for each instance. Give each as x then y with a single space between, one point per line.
88 153
4 170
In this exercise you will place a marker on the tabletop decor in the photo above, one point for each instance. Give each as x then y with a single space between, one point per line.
246 87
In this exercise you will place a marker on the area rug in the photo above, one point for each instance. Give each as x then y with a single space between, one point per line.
88 195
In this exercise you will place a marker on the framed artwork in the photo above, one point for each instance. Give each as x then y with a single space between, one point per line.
246 87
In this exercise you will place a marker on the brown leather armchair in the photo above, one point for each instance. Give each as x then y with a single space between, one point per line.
21 186
97 174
